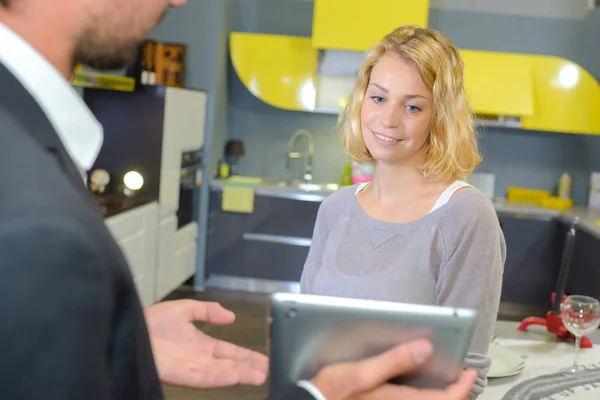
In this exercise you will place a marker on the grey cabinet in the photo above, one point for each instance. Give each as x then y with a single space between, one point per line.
270 243
534 252
584 276
534 248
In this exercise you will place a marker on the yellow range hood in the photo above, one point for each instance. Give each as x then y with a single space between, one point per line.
535 92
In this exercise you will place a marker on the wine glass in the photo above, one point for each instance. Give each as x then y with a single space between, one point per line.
581 315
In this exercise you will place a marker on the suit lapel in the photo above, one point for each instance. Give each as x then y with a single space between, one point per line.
17 100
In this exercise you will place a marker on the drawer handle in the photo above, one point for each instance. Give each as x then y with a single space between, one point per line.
292 240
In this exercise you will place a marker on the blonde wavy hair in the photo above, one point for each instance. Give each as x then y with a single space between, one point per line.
451 148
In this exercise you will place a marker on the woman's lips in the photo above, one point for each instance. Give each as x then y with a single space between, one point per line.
386 140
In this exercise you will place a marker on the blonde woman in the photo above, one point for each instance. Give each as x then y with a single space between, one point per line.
416 233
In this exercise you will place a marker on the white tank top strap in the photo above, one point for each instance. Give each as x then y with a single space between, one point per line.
448 193
360 187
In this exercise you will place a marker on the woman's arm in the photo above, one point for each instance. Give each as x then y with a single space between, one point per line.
474 253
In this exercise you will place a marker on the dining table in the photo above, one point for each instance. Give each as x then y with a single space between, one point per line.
544 359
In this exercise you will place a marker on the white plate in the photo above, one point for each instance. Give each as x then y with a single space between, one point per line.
505 362
507 374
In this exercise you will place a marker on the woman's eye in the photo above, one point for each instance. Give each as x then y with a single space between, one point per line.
377 99
412 109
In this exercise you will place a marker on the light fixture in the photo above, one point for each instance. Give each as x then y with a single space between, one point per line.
133 182
99 179
568 76
308 95
253 87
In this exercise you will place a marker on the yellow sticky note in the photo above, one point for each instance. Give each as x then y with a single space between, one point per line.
251 180
237 198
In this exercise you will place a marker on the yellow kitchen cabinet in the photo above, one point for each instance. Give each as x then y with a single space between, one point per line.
545 93
566 97
499 84
279 70
356 25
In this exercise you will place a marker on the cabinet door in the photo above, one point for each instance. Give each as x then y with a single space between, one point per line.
166 249
177 255
270 243
185 111
534 248
135 231
268 258
282 217
584 275
335 21
184 257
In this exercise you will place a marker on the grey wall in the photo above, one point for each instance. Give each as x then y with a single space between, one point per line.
204 26
518 158
266 129
535 159
266 132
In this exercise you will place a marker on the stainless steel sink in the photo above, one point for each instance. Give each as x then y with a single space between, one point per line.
304 186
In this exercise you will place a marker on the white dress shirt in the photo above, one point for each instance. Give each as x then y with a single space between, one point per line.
79 131
310 388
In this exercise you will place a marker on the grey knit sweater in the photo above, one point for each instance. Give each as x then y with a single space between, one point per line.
453 256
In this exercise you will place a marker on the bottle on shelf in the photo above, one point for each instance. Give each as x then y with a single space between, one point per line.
223 170
347 176
152 75
564 186
144 73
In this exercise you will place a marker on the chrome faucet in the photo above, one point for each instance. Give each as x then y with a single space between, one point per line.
308 155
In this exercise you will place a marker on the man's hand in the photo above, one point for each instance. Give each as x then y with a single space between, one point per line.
187 357
367 379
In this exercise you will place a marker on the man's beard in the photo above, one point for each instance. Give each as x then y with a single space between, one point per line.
106 55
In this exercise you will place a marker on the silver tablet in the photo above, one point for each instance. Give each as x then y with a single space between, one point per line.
308 332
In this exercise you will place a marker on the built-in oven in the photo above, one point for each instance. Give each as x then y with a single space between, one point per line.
189 187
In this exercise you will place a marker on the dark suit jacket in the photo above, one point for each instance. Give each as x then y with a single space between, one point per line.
71 324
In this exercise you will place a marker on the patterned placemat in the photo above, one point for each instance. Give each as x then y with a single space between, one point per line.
542 378
583 385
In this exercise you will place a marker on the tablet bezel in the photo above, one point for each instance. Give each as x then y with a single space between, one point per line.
306 332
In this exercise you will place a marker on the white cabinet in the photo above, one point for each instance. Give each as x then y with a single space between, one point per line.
160 255
183 130
176 255
136 232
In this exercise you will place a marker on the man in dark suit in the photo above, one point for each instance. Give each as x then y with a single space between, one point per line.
71 324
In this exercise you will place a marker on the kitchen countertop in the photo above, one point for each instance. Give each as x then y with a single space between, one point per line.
587 217
111 204
297 190
294 189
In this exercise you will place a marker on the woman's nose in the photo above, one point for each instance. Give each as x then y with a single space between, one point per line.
391 116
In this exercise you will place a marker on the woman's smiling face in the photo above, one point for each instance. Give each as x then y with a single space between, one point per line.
396 112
